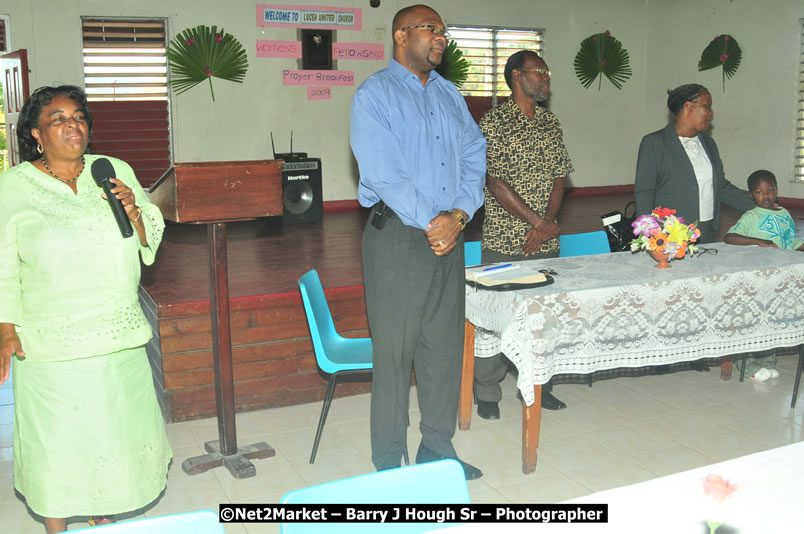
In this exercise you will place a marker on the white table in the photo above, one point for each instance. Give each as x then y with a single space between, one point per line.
616 310
770 489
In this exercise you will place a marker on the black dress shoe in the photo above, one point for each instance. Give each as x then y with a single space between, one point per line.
549 402
699 365
488 409
425 455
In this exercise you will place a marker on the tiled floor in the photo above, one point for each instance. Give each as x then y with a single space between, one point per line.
621 431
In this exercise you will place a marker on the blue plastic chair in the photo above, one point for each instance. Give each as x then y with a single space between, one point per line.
583 244
471 253
201 522
441 482
335 354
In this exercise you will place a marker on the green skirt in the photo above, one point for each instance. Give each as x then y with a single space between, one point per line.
89 437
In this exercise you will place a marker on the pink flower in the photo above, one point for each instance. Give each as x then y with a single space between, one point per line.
594 38
190 42
603 62
608 33
646 225
218 37
726 37
718 487
207 71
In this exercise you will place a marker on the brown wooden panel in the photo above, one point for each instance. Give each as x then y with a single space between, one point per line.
108 118
122 135
131 126
126 105
114 145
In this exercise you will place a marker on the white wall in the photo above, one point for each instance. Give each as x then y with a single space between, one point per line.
755 118
602 128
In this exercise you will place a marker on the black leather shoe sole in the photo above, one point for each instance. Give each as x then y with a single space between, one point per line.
488 409
425 455
549 402
699 365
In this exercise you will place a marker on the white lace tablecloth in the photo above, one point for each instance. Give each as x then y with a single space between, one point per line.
616 310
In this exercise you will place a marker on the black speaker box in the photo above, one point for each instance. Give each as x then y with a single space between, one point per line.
302 199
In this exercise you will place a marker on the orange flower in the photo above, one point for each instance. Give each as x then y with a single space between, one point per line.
657 241
718 487
682 250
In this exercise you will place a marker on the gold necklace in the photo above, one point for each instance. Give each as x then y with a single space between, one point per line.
65 180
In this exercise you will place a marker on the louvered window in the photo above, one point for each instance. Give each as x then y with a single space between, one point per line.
125 75
798 171
125 59
3 34
487 48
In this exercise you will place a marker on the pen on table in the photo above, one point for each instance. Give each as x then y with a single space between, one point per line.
497 267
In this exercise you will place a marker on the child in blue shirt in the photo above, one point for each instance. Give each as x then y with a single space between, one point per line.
767 225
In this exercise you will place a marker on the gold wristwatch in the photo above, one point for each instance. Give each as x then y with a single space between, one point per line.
460 217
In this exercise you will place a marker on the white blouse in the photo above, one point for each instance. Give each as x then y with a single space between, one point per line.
703 173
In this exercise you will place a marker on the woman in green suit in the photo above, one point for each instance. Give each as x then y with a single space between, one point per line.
679 166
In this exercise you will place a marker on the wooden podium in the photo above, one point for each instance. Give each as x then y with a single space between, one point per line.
215 193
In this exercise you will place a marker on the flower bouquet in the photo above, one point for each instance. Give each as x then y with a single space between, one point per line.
664 236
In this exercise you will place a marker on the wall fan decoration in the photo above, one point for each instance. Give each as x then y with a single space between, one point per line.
454 67
204 52
602 54
722 51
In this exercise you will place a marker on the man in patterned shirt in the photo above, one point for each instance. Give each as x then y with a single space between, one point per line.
526 163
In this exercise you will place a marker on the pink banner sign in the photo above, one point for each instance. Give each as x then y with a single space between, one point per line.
319 78
358 51
319 93
279 49
324 17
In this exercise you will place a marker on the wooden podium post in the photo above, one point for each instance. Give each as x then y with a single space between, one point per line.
214 193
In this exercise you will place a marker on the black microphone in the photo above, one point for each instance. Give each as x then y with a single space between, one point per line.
102 170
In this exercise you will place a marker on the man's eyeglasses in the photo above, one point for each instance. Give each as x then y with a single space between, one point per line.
435 30
543 72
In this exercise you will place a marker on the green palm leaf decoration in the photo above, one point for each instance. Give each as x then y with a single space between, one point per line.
454 66
203 52
602 54
722 51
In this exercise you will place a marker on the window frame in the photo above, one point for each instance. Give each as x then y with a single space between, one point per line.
798 135
498 88
151 69
6 23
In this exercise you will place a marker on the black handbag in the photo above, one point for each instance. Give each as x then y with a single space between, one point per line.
618 227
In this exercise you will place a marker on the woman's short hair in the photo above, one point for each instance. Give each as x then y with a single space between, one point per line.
32 109
676 98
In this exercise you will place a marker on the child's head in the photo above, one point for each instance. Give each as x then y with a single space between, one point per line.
762 188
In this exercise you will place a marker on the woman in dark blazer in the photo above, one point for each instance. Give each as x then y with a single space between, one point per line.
679 166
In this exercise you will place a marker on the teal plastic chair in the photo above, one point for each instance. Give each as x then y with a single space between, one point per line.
471 253
441 482
335 354
201 522
583 244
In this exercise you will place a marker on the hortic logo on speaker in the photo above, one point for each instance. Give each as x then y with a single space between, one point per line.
299 177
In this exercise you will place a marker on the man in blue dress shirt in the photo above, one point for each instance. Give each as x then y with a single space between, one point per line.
422 163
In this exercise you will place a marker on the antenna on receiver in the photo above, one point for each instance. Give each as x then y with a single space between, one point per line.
273 148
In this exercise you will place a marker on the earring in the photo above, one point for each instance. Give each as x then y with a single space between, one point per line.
40 148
